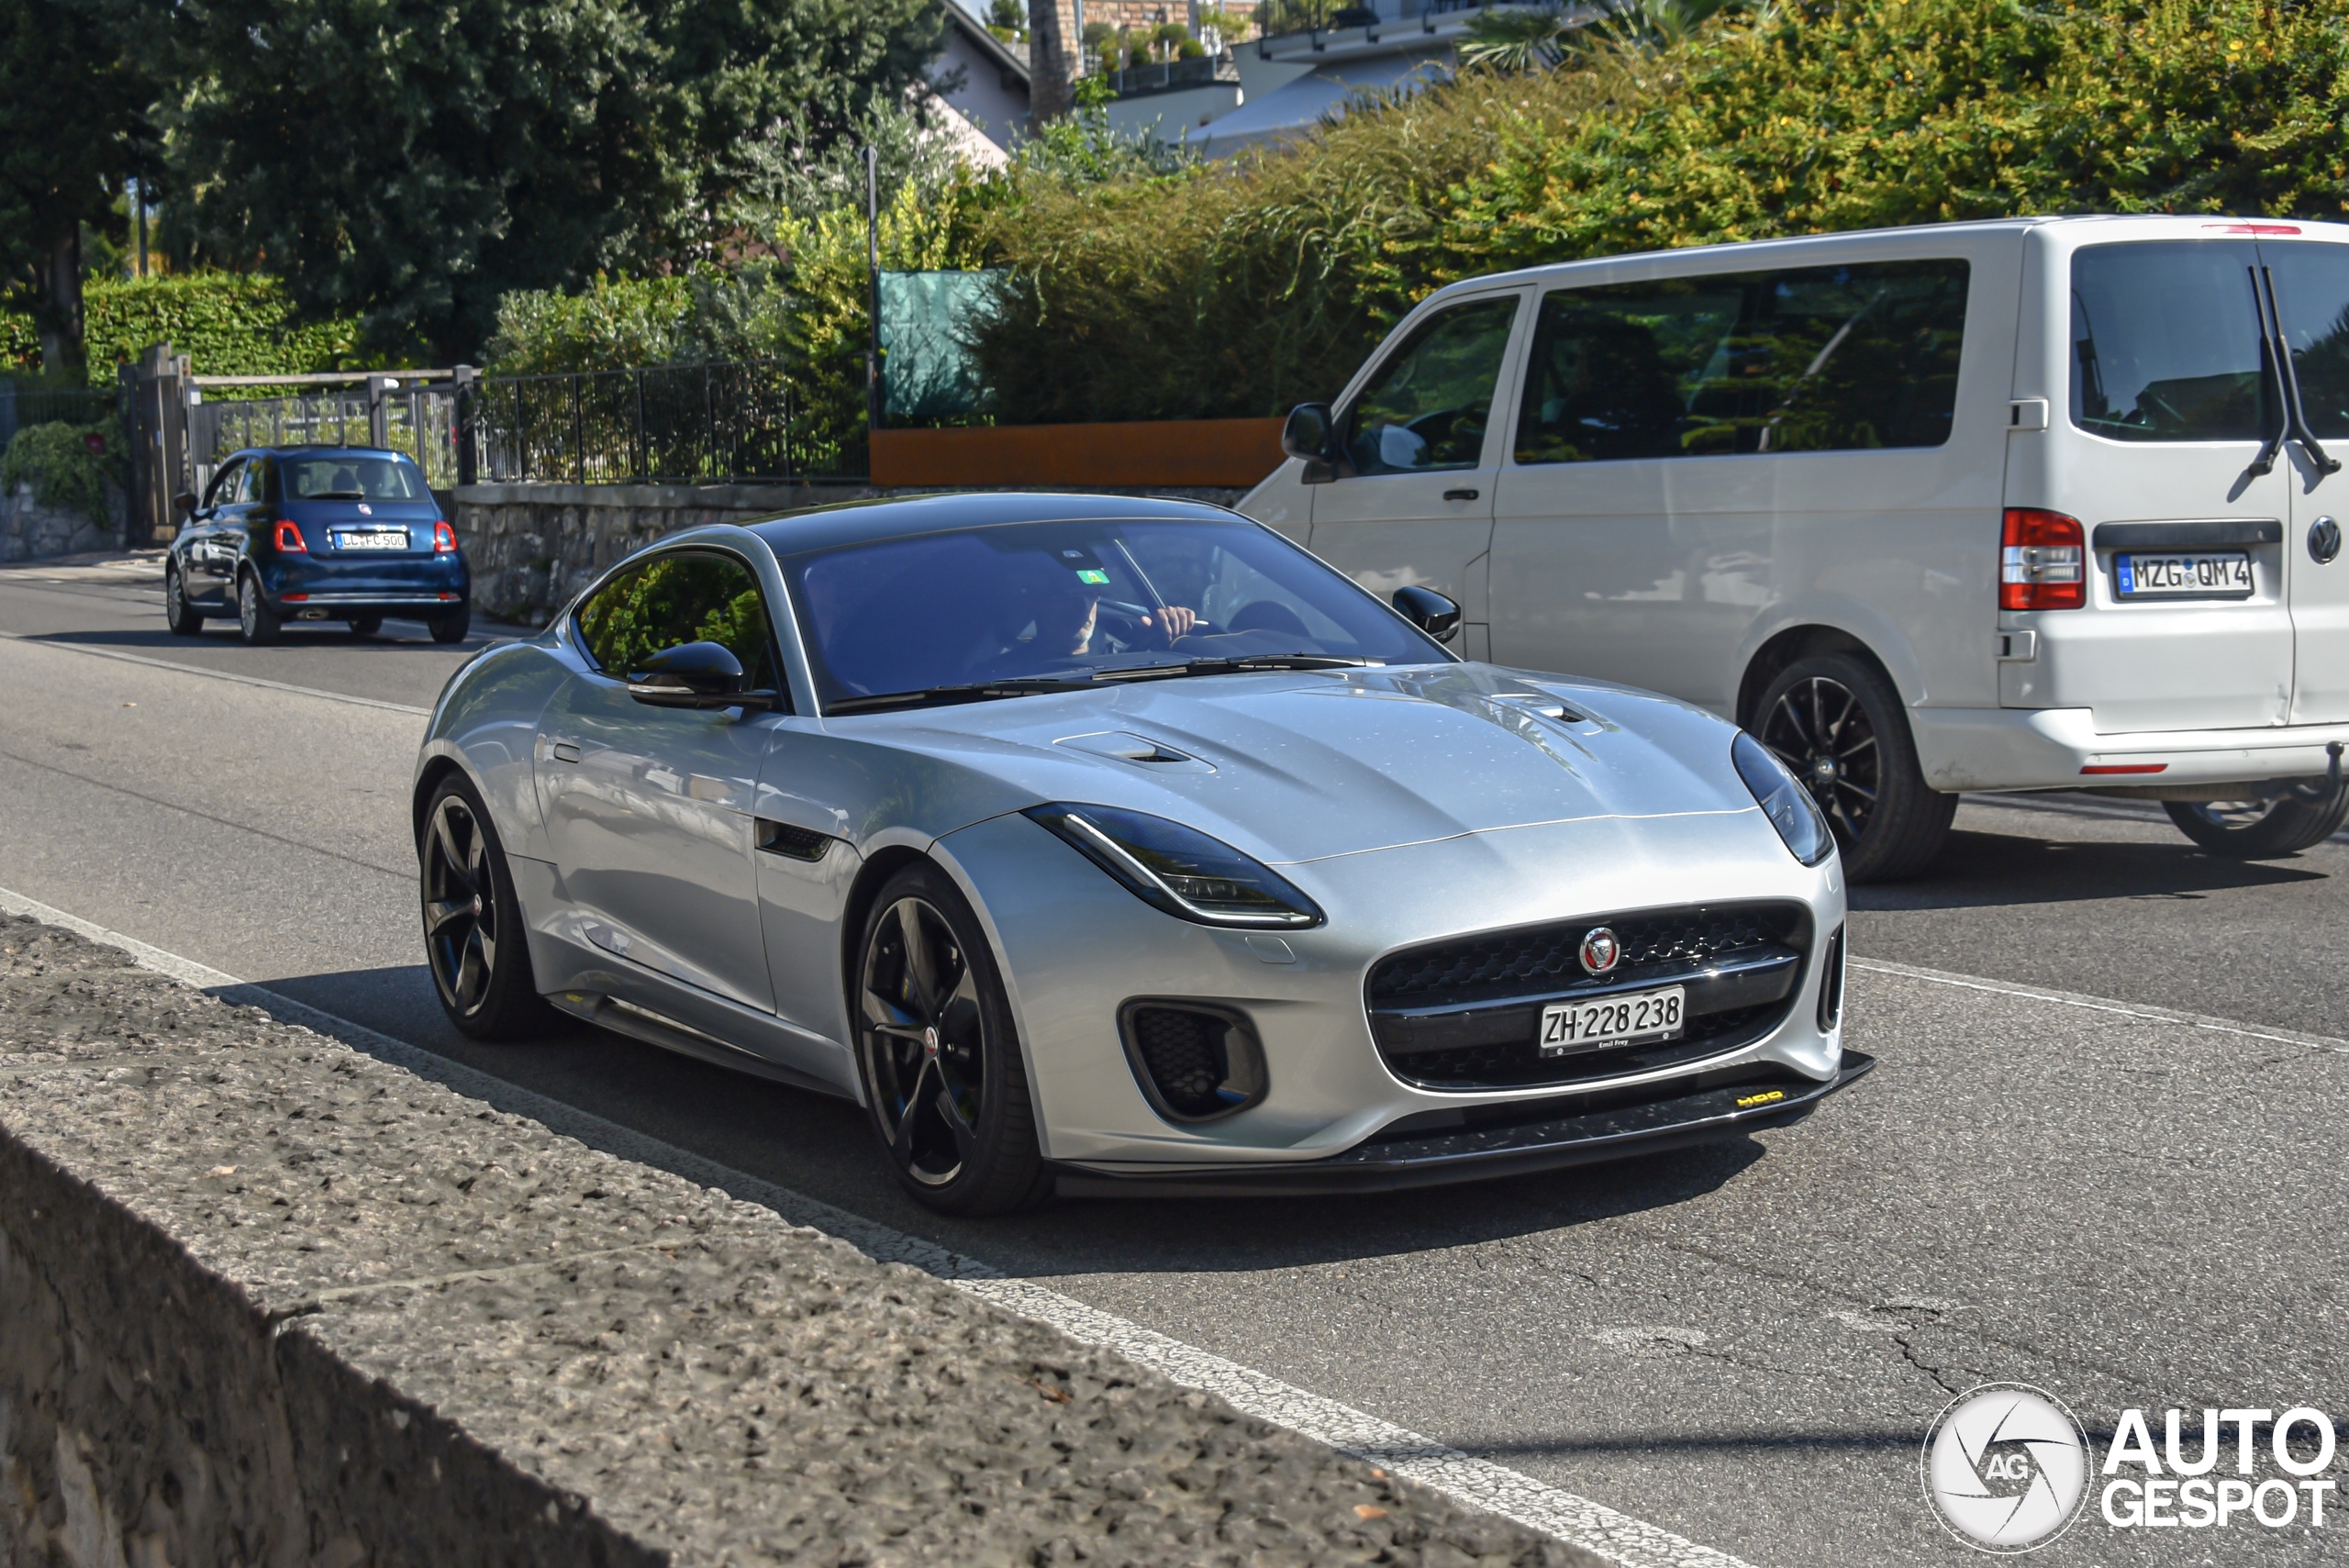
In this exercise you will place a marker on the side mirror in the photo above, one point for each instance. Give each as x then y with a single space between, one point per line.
1308 432
1430 611
184 503
693 675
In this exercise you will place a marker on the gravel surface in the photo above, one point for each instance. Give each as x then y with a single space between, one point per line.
713 1381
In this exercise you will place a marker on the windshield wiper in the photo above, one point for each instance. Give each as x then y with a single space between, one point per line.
970 690
1268 661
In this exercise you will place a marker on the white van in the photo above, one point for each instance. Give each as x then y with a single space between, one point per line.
2013 506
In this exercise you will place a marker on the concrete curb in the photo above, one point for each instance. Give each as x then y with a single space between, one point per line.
271 1300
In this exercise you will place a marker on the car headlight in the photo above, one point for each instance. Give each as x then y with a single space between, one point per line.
1179 869
1786 802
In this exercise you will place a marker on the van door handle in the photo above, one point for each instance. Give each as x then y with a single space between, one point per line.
1460 494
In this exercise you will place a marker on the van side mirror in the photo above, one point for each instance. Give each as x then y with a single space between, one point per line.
1311 433
695 674
1430 611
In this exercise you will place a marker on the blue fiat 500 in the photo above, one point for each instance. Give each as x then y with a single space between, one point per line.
347 534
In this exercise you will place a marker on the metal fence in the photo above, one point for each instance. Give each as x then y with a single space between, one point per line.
21 406
690 424
680 424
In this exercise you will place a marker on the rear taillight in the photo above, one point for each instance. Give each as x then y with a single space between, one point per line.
444 538
2042 562
289 537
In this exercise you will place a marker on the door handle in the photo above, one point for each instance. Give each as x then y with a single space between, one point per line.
565 752
1460 494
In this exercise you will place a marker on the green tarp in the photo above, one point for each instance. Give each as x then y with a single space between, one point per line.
926 369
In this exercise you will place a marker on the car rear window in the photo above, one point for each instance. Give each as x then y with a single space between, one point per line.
1812 359
2166 342
2312 295
353 477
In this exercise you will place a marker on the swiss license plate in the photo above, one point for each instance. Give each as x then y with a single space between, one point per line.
1612 1021
2211 575
371 538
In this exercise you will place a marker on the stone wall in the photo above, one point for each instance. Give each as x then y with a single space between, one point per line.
30 531
531 547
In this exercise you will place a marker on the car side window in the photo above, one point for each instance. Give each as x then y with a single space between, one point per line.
1813 359
1427 404
677 597
256 484
225 484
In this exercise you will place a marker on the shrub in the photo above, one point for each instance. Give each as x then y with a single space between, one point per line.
226 323
613 322
66 474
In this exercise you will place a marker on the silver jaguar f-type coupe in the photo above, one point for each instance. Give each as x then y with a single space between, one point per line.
1100 844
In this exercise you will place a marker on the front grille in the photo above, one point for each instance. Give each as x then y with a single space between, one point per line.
1466 1013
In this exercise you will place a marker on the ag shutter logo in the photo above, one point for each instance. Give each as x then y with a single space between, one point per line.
2005 1467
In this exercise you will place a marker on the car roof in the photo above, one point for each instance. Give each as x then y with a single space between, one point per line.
859 522
318 449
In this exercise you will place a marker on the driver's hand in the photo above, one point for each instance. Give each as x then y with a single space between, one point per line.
1174 619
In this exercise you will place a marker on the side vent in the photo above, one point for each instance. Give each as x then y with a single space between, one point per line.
1195 1061
792 843
1830 982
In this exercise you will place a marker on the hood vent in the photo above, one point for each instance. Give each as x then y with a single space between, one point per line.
1138 749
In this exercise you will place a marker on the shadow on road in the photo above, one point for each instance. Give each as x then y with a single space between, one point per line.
824 1149
1987 870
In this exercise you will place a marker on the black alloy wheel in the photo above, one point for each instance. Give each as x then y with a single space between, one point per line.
940 1063
2304 816
472 921
1836 723
178 613
255 624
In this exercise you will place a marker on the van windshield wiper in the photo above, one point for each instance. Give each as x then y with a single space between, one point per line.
967 691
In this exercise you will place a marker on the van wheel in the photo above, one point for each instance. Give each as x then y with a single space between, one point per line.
2264 830
1835 720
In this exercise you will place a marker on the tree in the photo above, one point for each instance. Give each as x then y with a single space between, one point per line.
410 163
70 130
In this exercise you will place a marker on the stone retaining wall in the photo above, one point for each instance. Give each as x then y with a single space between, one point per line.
267 1300
531 547
30 531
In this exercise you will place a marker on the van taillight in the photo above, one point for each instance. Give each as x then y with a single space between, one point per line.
289 537
444 538
2042 562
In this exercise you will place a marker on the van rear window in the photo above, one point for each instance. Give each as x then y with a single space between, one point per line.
1813 359
2165 341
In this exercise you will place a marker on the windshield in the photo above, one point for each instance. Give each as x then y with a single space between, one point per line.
1030 601
340 476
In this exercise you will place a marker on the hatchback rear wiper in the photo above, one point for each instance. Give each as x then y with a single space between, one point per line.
969 691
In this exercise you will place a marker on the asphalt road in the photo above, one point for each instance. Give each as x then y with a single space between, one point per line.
1742 1345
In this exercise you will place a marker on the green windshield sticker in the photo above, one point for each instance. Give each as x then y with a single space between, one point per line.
1092 574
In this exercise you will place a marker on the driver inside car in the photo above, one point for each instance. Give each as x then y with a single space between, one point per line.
1068 617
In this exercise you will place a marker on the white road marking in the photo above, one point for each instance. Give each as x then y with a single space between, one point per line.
2098 1005
218 674
1477 1483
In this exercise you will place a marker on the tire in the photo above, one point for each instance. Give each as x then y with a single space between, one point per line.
365 625
452 627
255 623
473 936
2264 830
937 1054
1836 721
183 618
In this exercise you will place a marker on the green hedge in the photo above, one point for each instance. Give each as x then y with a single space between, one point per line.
226 323
56 461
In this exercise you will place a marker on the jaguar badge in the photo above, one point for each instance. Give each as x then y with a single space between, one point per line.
1600 950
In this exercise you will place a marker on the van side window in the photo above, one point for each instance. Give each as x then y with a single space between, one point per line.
1427 407
2166 342
1813 359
